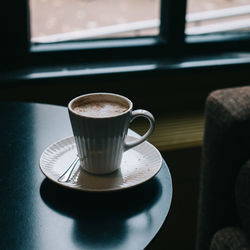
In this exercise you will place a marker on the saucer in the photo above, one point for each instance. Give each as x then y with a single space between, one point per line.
139 165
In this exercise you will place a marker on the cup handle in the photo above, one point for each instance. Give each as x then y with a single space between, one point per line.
151 119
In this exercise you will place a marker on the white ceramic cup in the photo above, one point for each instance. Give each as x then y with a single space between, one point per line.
100 139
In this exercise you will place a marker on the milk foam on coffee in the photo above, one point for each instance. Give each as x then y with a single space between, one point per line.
100 109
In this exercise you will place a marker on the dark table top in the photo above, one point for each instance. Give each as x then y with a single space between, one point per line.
38 214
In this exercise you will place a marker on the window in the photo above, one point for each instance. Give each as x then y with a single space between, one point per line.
215 16
64 20
34 33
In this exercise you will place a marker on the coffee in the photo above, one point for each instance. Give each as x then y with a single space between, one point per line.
99 109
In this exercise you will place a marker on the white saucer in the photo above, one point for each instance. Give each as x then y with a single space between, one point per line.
138 165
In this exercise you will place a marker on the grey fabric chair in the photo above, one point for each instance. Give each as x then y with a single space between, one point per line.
224 205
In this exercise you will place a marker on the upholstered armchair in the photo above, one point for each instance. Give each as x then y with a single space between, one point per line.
224 205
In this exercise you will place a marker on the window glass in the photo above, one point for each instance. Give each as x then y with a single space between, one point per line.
65 20
211 16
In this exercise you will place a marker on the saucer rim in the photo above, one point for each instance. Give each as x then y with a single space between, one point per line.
78 187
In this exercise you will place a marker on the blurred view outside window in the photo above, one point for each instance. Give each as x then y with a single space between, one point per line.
213 16
65 20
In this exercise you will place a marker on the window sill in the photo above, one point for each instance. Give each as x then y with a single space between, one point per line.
152 66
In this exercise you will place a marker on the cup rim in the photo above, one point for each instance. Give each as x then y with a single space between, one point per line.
130 104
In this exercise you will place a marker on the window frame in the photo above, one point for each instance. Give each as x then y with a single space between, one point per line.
171 44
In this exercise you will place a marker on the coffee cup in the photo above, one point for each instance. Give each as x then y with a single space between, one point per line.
100 123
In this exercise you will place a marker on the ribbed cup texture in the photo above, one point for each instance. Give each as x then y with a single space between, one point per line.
100 141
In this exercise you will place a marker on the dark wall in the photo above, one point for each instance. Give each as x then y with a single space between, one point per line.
164 91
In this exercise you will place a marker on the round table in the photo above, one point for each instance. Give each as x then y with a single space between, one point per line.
39 214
